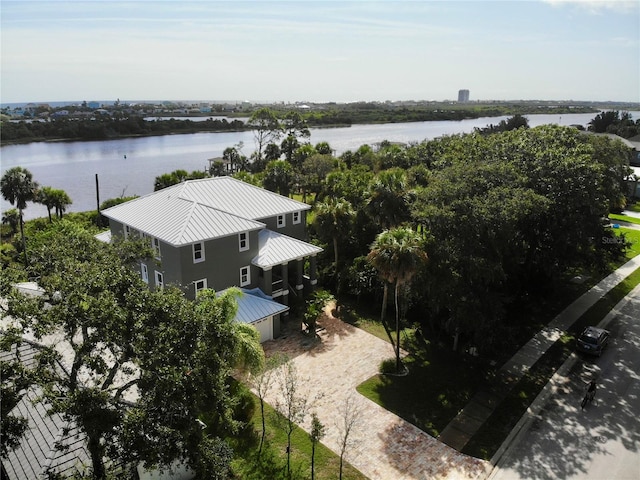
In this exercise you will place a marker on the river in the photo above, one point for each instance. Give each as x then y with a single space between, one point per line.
129 166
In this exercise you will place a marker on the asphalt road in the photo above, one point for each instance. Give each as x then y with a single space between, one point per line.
603 440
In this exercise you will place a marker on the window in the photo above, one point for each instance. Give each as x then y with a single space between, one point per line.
243 241
198 252
127 232
155 244
281 221
145 272
296 217
159 279
245 276
200 285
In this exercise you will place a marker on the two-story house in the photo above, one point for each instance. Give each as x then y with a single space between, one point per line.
221 232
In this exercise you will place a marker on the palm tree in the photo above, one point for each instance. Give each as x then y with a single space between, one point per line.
61 202
54 198
12 218
389 198
46 197
397 254
334 218
18 188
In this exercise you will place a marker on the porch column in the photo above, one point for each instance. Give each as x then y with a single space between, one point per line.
268 280
313 273
299 281
285 283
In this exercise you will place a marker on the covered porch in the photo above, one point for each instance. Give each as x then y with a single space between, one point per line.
282 261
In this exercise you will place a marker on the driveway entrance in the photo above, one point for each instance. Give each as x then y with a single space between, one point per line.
385 447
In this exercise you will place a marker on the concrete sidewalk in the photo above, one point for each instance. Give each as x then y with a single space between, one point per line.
470 419
556 385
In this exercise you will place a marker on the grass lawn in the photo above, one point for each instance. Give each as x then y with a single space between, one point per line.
624 218
272 463
428 398
367 318
635 207
633 237
413 397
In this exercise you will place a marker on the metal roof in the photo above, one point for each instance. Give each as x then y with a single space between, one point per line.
36 452
198 210
178 221
239 198
254 305
104 236
276 249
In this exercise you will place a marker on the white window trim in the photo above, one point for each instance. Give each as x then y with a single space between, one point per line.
297 217
204 287
145 272
159 276
248 275
155 245
246 241
281 221
193 252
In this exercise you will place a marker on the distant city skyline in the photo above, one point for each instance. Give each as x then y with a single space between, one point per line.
319 51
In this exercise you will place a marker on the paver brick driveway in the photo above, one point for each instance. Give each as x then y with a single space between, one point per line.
385 447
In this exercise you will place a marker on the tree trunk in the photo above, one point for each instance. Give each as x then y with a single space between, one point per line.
264 427
97 464
397 330
24 242
384 309
313 455
289 453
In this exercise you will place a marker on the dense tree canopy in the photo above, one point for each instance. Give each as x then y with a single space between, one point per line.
142 365
504 216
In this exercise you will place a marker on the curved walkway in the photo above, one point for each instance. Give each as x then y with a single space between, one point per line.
385 447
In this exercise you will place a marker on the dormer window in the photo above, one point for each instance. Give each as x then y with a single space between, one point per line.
243 241
198 252
281 221
296 217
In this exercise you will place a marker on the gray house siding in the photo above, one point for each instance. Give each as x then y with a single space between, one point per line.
276 326
169 265
298 230
222 264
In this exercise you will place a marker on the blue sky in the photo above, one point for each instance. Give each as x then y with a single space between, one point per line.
319 50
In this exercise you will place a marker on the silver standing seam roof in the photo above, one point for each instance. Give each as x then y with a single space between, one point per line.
37 453
276 249
198 210
254 305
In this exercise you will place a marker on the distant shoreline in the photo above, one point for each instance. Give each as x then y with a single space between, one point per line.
134 125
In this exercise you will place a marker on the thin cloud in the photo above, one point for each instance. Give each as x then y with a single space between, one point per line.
597 6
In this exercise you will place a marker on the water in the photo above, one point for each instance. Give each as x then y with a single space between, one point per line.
72 166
